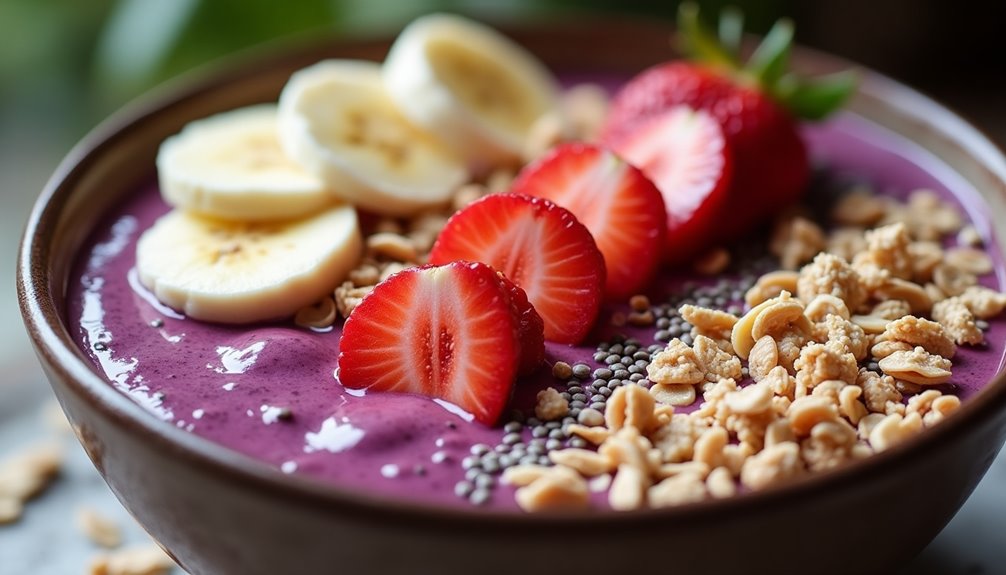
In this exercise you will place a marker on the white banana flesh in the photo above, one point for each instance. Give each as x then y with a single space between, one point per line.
476 89
244 272
230 166
337 121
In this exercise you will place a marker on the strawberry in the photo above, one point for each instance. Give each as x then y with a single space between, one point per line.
684 152
449 332
620 206
757 105
542 248
530 328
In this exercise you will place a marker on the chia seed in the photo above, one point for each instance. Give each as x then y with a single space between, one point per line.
604 391
581 371
620 374
575 389
578 442
470 462
575 404
636 377
599 405
463 488
553 444
539 431
603 373
600 355
612 359
157 323
480 449
473 473
480 496
579 397
513 427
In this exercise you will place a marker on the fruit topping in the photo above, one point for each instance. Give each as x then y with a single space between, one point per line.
755 102
542 248
684 152
239 272
450 332
620 206
336 120
230 166
530 328
476 89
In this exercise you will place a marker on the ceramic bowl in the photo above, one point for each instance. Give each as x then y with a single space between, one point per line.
218 512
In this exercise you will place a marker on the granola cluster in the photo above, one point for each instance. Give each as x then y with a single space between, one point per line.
845 348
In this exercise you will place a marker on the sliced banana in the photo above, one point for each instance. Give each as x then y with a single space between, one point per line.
234 272
336 119
230 166
473 87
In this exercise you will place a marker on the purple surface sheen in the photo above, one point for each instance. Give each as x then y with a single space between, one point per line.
270 391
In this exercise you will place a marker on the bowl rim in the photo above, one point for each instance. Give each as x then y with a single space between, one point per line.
57 351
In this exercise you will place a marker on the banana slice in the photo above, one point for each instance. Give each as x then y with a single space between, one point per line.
234 272
336 120
230 166
473 87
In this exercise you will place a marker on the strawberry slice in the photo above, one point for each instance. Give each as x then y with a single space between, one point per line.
530 328
447 332
685 153
542 248
620 206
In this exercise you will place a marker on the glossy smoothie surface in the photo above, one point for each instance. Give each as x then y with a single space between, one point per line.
271 392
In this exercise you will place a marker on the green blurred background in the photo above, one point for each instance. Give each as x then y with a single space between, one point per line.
66 64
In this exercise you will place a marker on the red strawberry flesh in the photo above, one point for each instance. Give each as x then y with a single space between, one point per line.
685 153
771 166
620 206
446 332
542 248
530 327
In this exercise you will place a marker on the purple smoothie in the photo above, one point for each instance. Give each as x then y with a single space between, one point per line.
270 391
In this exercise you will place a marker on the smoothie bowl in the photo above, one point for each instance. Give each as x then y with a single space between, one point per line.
819 388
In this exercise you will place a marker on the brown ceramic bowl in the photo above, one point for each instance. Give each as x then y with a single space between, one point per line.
218 512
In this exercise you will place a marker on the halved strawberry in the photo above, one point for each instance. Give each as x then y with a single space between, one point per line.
623 210
685 153
448 332
757 102
542 248
530 327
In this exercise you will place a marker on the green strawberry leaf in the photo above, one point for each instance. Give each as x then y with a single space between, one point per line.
770 60
815 98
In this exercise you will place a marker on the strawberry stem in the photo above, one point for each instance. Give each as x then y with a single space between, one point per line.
806 98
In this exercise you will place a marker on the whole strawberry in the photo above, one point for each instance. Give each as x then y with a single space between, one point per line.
756 103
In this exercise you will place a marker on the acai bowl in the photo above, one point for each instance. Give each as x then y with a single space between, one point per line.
230 503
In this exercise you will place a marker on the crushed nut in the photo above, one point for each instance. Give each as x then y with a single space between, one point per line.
771 285
894 429
712 262
958 321
795 240
916 331
557 489
551 405
673 394
830 274
318 316
983 302
970 260
348 296
917 366
677 490
99 529
953 280
676 364
137 560
774 465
